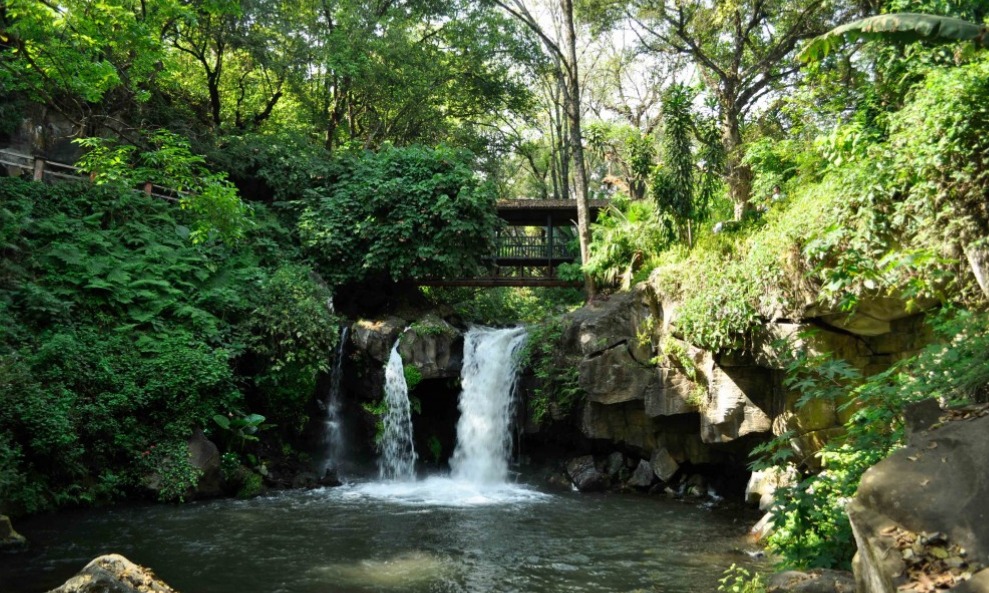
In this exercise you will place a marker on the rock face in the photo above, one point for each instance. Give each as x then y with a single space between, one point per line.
660 398
113 574
924 509
434 347
9 539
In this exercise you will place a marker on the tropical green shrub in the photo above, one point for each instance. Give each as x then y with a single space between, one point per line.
557 391
401 213
624 239
811 527
120 336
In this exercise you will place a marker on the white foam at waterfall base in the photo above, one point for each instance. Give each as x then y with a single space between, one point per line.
480 461
440 491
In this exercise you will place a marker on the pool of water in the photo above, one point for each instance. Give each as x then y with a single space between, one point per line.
436 535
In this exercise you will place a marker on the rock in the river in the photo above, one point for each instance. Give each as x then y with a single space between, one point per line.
113 574
814 581
663 464
205 456
643 476
585 475
921 514
9 539
616 462
763 484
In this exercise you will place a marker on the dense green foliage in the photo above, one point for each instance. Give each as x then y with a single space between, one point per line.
558 391
120 337
403 213
812 529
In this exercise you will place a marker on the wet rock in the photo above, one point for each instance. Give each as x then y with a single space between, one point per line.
585 475
814 581
615 464
434 347
696 486
205 456
113 574
10 539
330 479
376 338
643 476
663 464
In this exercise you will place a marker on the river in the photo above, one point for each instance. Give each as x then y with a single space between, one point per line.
431 536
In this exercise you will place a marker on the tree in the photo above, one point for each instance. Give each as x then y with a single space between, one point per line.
400 213
741 51
563 54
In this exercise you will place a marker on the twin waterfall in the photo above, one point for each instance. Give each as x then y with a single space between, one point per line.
484 429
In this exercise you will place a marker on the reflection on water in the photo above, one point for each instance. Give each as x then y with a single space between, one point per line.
434 536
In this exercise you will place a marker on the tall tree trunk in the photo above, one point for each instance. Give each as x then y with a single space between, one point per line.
571 88
737 174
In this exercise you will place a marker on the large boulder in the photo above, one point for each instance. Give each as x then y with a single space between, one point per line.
205 457
9 539
585 475
921 513
434 347
762 485
377 338
113 573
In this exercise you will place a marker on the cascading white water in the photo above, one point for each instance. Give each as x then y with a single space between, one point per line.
398 456
333 437
488 380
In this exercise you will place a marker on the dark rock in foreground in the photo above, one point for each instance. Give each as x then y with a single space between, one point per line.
921 515
113 574
10 539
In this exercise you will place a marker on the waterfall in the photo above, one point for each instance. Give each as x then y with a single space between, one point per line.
333 437
488 379
398 456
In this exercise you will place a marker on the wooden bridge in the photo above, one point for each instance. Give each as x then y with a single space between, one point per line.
539 234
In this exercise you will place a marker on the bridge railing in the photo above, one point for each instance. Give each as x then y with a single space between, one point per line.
530 247
40 169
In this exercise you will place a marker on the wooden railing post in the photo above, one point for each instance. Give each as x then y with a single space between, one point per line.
39 168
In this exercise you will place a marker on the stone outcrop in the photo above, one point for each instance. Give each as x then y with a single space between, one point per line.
113 573
921 514
434 347
376 338
10 539
647 390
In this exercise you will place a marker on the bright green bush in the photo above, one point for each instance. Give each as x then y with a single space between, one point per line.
119 336
811 527
401 213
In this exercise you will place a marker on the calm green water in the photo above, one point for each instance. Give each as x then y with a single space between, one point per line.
435 536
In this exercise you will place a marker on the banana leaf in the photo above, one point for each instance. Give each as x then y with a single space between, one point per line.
904 27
